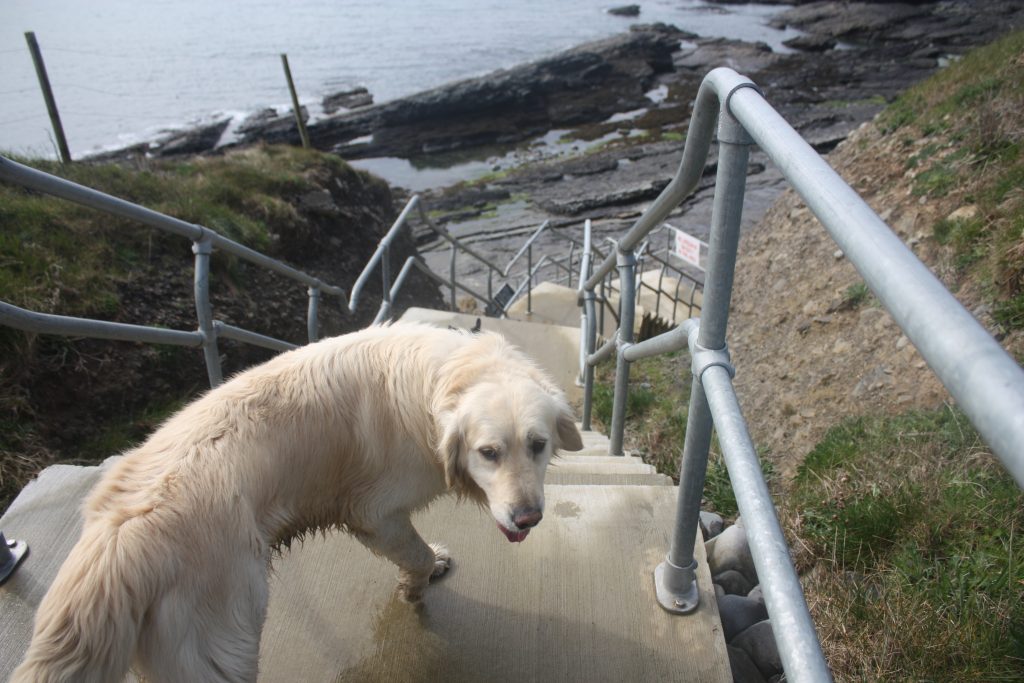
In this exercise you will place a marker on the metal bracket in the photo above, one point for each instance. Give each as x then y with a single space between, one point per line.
705 358
676 587
11 553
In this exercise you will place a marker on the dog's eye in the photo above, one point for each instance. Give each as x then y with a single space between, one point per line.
538 446
489 453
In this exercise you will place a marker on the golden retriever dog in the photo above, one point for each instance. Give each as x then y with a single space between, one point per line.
355 432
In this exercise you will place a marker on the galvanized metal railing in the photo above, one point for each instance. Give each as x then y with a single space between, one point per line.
984 380
204 240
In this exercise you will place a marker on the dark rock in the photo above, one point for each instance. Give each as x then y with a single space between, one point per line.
777 678
194 141
583 85
811 42
731 551
863 21
711 524
756 593
758 641
625 11
258 119
348 99
739 613
743 668
733 582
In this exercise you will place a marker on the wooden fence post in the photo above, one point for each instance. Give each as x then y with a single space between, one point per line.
51 104
303 133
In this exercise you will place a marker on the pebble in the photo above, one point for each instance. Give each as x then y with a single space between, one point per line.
739 613
756 594
711 524
743 668
732 582
758 642
730 551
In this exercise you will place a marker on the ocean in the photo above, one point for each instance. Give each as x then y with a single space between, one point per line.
123 70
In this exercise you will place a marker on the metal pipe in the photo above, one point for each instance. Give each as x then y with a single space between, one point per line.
523 249
794 631
673 340
47 323
312 314
451 275
627 310
985 381
529 278
385 273
444 234
588 368
675 584
204 313
239 334
392 232
385 306
605 352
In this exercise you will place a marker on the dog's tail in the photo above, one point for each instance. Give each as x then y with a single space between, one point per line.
88 624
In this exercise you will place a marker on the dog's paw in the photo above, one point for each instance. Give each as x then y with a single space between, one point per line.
442 560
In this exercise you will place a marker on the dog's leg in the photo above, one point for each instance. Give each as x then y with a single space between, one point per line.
396 539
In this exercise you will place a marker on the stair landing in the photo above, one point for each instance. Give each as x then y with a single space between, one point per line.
573 602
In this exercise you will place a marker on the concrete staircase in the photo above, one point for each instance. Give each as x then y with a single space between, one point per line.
573 602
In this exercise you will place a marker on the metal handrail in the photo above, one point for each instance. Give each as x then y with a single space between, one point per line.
985 381
204 241
381 256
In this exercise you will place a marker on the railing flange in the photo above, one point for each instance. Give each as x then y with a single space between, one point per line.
703 358
676 587
12 552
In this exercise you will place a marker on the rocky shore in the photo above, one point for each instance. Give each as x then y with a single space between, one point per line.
596 132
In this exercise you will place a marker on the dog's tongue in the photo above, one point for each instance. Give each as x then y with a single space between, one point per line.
514 536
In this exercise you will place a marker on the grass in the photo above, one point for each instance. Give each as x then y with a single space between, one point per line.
59 257
919 568
966 124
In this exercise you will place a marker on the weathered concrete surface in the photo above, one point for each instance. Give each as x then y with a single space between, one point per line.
553 347
504 612
46 516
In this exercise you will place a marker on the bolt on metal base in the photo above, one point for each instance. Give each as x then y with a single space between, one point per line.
11 553
676 587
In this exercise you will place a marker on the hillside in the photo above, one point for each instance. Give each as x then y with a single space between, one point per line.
81 400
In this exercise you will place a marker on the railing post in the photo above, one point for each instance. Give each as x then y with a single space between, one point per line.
312 314
675 581
626 262
529 280
451 276
385 273
204 313
588 369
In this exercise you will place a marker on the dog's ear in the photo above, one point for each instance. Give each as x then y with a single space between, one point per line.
569 437
450 449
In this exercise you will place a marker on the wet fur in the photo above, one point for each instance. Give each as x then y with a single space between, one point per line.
354 432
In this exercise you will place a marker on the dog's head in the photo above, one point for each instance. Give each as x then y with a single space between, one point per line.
500 432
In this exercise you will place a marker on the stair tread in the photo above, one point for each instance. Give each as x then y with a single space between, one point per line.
605 479
541 610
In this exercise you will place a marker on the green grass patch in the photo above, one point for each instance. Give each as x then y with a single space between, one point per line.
917 531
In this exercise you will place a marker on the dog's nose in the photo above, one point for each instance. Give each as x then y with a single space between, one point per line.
526 518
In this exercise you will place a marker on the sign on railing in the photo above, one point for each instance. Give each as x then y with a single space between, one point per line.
686 246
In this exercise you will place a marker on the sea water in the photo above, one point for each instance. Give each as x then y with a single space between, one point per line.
123 71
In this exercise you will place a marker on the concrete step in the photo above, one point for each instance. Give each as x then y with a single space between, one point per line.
555 348
606 468
605 479
583 456
573 602
556 305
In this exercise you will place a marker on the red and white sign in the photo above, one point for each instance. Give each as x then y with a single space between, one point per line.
686 247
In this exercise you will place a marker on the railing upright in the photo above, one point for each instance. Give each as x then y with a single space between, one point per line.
204 312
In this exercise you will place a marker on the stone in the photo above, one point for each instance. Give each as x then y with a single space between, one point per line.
711 524
756 593
758 641
811 42
964 213
738 613
732 582
348 99
194 141
730 551
743 668
625 11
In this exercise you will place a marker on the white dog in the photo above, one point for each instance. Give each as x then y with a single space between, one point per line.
355 432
